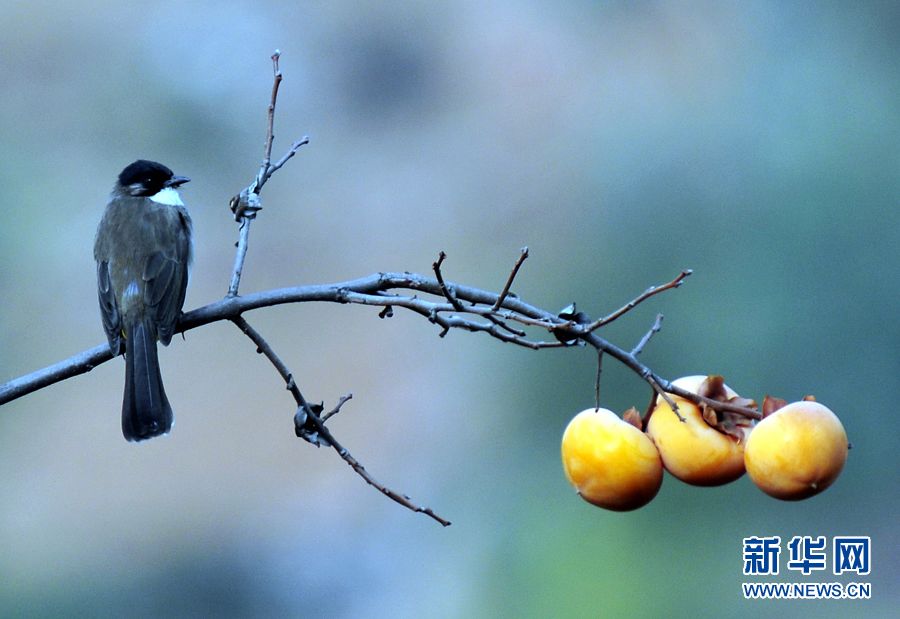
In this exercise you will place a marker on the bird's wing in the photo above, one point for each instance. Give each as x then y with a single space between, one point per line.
109 310
165 279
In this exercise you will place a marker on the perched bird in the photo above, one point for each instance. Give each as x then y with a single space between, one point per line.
143 253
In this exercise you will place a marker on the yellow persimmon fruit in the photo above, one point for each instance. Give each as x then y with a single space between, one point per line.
797 451
610 462
692 450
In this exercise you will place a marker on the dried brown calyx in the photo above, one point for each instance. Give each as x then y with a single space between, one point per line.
728 422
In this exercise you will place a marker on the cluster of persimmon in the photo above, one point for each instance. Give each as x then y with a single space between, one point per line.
796 451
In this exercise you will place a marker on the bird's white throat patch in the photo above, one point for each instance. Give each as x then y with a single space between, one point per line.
167 196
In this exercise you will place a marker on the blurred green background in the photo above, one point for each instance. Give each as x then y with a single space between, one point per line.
754 142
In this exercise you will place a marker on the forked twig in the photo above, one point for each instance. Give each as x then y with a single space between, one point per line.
264 348
337 407
246 204
651 291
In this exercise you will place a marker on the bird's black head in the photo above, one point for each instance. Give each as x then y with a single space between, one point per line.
148 178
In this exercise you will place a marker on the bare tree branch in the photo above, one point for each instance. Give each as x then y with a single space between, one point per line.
246 204
380 290
308 425
321 433
445 290
657 325
337 407
651 291
81 363
446 304
523 254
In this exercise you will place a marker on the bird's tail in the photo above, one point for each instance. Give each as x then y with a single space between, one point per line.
145 409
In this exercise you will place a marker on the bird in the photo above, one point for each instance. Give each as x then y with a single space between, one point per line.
143 249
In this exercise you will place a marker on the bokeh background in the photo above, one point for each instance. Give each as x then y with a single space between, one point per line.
754 142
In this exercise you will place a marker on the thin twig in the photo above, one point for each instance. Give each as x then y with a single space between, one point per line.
286 157
523 254
651 291
665 396
261 176
445 290
264 348
657 325
712 403
240 255
490 314
337 407
247 203
597 379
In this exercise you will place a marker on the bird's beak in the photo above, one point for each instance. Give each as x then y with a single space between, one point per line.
175 181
